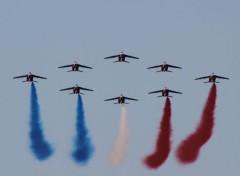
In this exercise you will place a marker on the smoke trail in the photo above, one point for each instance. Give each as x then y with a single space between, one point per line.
119 151
188 150
39 146
83 147
163 143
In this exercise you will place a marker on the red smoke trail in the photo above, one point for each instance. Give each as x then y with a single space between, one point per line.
189 148
163 143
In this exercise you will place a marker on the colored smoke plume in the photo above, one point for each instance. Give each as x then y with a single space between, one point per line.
83 148
39 146
119 151
163 143
189 148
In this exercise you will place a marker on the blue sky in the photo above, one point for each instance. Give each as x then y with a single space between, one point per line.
200 36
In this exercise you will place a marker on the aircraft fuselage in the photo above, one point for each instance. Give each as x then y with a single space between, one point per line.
164 68
212 78
29 78
75 67
121 100
121 57
76 90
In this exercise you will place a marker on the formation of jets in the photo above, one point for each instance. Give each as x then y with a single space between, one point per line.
121 58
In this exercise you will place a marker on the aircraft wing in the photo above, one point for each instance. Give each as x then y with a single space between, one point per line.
84 66
82 88
39 77
67 88
174 91
110 57
130 98
156 66
221 77
20 76
111 99
133 57
204 77
155 91
65 66
174 66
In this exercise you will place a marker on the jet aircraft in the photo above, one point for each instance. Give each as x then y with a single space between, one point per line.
165 92
164 67
121 99
29 77
76 89
211 78
75 67
121 57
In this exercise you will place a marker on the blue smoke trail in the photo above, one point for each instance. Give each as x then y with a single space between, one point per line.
83 147
39 146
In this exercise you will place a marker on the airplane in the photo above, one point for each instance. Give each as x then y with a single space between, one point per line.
164 67
211 78
76 89
165 92
75 67
29 77
121 99
121 57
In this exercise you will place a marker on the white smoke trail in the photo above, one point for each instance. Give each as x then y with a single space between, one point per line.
119 150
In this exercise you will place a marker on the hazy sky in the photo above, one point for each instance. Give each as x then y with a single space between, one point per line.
38 36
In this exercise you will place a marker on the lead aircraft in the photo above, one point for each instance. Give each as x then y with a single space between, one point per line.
121 57
121 99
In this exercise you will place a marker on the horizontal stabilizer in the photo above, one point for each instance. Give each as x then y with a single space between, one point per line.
74 71
120 61
163 71
166 96
30 81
